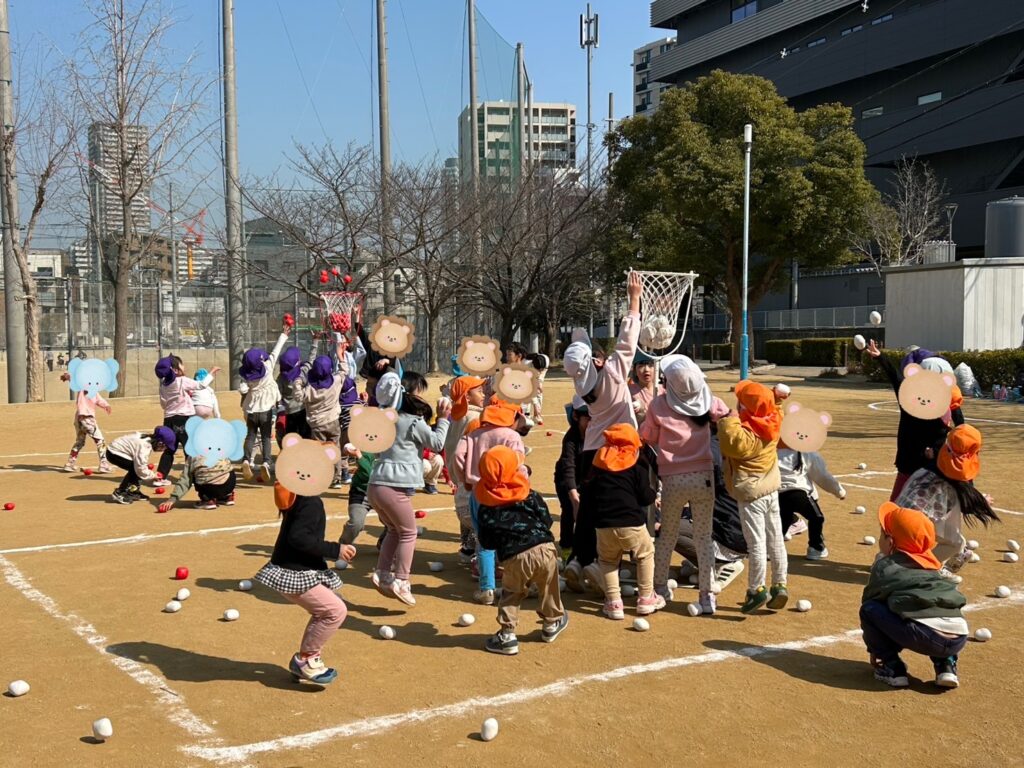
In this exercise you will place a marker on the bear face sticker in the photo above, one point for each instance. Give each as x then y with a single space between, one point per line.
93 375
306 467
392 336
517 383
804 429
214 440
479 355
926 394
372 430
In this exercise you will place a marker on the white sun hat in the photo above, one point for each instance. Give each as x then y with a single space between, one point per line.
686 390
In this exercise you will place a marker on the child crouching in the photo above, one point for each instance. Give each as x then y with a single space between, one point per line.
131 452
515 522
214 485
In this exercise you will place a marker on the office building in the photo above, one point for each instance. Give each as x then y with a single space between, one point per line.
647 93
104 178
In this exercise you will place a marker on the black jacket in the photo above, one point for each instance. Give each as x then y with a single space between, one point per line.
914 436
300 544
515 528
620 499
567 468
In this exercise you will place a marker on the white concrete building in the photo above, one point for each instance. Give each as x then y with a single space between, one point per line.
647 95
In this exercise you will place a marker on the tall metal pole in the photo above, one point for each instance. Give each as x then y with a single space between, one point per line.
748 141
589 40
521 105
529 122
383 108
232 198
14 290
174 266
474 128
159 315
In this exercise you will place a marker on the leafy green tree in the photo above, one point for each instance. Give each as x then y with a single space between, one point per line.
676 186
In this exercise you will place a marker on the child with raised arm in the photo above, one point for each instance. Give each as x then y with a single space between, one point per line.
205 399
260 396
321 396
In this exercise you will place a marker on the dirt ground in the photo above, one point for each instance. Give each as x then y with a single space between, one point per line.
85 581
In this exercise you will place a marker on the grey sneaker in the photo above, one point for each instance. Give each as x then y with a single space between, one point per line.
817 554
708 603
945 672
121 498
552 630
484 596
893 673
506 644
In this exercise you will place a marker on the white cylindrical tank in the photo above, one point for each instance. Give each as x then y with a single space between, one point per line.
1004 228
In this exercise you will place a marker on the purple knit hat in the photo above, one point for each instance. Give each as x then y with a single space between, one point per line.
321 375
164 370
915 357
166 436
291 363
252 368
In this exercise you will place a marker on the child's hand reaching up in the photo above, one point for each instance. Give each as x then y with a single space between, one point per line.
634 287
872 349
348 553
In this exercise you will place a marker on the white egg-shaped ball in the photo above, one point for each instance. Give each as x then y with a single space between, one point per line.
102 729
628 590
245 585
183 595
489 729
641 625
1002 591
435 566
862 465
18 688
386 633
1010 557
672 584
1012 545
420 530
859 342
172 607
875 318
231 615
467 620
693 578
803 605
859 511
694 609
869 540
973 544
983 635
975 557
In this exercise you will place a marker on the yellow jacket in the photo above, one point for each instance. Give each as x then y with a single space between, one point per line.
751 464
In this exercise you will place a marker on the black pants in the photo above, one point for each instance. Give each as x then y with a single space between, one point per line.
797 502
292 422
258 425
567 522
584 538
217 492
177 424
131 478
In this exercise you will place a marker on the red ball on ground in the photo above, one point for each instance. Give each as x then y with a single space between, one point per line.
9 506
549 433
420 514
181 573
86 471
347 279
160 491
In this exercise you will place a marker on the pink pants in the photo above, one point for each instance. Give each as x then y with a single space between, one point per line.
394 507
327 612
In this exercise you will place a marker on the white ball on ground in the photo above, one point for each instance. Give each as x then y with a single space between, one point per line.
694 609
386 633
245 585
1002 591
467 620
859 342
641 625
628 590
420 530
103 729
183 594
489 729
672 584
859 511
803 605
983 635
341 565
975 557
231 615
172 607
875 318
869 540
1010 557
18 688
1012 545
972 544
862 465
435 567
625 573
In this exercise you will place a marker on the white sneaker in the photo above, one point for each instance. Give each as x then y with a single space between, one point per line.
161 483
265 473
402 589
247 474
484 596
727 572
817 554
948 575
799 526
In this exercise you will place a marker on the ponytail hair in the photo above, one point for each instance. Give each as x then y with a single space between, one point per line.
973 504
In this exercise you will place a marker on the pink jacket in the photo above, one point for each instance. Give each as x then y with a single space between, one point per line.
682 446
86 406
176 397
613 403
474 445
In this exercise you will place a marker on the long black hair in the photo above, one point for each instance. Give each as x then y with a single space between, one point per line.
701 421
973 504
412 403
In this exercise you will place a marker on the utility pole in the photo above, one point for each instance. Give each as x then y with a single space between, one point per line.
174 266
232 197
14 290
590 38
474 154
521 105
384 115
529 122
748 143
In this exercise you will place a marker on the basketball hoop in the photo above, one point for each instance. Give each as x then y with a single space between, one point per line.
660 302
340 311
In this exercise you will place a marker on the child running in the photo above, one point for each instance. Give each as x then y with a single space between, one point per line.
748 441
260 396
176 400
205 399
567 472
467 397
131 453
515 523
907 605
86 426
397 473
801 474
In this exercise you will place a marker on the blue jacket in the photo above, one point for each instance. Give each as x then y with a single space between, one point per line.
401 465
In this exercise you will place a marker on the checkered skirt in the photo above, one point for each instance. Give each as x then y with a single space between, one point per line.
291 582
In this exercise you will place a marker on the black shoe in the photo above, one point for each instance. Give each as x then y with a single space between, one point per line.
505 644
892 673
120 497
554 629
945 672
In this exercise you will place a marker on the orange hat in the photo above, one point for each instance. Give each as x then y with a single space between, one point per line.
620 450
912 533
500 414
501 481
459 390
958 458
956 400
759 413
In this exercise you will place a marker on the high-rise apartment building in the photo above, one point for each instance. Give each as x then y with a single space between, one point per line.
105 173
503 146
647 93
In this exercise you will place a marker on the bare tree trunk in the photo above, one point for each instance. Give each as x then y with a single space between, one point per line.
432 343
34 358
551 337
121 315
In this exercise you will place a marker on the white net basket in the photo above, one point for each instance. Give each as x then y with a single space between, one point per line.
661 305
341 311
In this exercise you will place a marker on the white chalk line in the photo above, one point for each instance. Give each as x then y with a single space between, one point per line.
375 725
172 704
889 490
878 407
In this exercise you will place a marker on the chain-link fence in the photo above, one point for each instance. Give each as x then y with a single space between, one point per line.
825 317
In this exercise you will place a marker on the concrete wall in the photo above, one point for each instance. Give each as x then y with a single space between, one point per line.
994 305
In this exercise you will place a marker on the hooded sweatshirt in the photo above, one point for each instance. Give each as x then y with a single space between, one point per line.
748 444
262 395
135 447
614 403
683 446
802 471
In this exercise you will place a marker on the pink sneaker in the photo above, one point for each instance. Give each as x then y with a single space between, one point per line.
382 581
402 589
613 610
645 606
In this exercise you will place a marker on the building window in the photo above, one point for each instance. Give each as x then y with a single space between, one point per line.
929 98
851 30
881 19
741 9
815 43
872 112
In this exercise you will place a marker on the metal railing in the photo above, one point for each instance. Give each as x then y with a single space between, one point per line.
786 319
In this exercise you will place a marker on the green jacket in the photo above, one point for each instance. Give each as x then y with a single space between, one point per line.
911 591
361 478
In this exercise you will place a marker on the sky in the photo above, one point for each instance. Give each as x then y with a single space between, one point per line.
304 66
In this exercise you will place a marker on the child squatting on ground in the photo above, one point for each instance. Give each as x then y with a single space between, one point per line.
515 523
908 605
131 452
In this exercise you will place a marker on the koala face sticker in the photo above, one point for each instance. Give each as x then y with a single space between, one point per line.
306 467
478 355
92 375
214 440
926 394
516 383
804 429
372 430
392 336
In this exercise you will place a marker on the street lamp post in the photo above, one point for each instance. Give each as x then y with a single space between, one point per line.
950 209
748 140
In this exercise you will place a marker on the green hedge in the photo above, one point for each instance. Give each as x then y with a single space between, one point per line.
998 366
716 351
824 352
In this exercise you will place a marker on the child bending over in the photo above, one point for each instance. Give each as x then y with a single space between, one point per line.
214 485
131 452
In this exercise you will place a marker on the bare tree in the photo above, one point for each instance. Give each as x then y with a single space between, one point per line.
144 107
905 217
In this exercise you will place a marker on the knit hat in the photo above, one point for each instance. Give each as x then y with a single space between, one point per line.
501 481
912 533
958 457
917 355
321 373
164 370
459 390
165 436
621 448
500 413
252 368
291 363
389 391
758 412
579 363
686 389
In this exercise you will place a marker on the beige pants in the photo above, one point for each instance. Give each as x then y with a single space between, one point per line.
537 565
432 468
612 544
